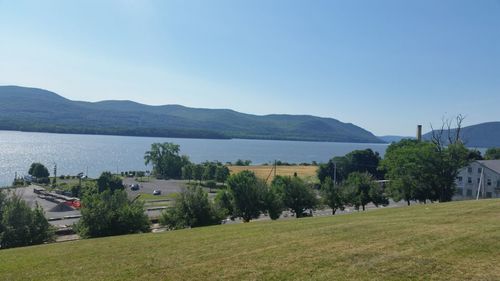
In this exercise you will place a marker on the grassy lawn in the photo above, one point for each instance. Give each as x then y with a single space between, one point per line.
263 172
452 241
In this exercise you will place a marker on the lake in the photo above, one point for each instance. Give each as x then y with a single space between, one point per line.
95 153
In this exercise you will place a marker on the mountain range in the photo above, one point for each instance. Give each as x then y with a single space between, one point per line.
32 109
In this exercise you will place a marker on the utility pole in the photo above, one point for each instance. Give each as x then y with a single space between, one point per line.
335 173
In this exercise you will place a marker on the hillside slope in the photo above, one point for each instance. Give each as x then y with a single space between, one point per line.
481 135
448 241
29 109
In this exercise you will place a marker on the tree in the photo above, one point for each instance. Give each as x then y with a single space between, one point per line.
187 172
492 153
209 169
332 195
38 171
361 190
296 195
110 213
108 181
273 204
192 209
221 173
356 161
224 202
198 172
167 163
424 170
20 225
247 192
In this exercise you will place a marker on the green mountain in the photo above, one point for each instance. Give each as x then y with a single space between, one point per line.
31 109
483 135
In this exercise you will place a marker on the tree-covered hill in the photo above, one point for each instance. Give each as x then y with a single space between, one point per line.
31 109
481 135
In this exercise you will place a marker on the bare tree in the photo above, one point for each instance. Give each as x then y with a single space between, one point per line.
452 134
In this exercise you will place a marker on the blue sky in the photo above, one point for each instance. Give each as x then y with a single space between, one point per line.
383 65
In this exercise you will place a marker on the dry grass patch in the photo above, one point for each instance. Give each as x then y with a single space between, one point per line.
262 171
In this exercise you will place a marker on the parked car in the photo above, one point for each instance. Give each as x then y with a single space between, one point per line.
156 192
134 187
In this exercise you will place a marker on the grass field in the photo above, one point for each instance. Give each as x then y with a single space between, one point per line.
263 172
452 241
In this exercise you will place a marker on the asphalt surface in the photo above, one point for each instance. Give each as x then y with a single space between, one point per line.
32 199
165 186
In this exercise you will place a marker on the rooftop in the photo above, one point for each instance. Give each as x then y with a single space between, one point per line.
491 164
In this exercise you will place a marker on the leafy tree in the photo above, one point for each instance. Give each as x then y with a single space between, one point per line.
167 163
209 169
198 172
361 190
20 225
192 209
225 202
296 195
109 181
187 172
221 173
38 171
356 161
423 170
110 213
332 195
492 153
273 203
247 192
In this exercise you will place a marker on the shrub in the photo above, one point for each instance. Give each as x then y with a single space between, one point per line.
192 209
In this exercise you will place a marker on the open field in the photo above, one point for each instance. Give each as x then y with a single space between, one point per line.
263 172
452 241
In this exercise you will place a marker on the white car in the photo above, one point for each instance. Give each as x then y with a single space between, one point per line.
156 192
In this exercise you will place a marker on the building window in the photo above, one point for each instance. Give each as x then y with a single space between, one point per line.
488 194
498 183
469 169
460 179
478 180
488 182
460 192
469 192
479 170
469 180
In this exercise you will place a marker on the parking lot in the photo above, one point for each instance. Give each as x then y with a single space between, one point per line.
165 186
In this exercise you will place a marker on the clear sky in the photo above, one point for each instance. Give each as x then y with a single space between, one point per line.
383 65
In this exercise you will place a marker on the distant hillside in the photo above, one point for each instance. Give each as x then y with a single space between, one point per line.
31 109
390 139
481 135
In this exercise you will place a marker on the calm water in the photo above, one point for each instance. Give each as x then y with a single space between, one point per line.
77 153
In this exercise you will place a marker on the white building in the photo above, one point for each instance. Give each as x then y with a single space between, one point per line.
480 179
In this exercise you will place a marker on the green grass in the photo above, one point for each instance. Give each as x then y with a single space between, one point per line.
452 241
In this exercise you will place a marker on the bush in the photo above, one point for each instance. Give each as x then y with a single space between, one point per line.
110 213
192 209
21 226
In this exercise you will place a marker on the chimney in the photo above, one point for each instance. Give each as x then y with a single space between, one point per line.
419 132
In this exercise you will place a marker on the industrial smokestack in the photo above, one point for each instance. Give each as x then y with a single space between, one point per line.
419 132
